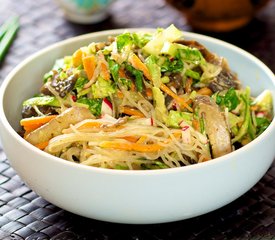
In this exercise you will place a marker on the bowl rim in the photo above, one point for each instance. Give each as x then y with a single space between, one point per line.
190 35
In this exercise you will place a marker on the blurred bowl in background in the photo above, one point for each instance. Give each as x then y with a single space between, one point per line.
217 15
84 11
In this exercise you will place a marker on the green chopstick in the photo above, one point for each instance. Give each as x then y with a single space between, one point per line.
7 33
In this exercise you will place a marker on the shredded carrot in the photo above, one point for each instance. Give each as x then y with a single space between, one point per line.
105 71
181 101
42 145
254 107
120 94
121 73
196 124
133 87
131 146
32 123
149 92
131 111
205 91
138 64
90 125
130 138
77 57
89 64
142 139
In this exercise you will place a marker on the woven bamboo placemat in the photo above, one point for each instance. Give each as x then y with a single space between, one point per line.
25 215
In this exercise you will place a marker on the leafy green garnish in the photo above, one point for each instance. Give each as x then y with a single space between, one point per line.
80 82
247 126
47 76
122 40
191 55
93 104
102 88
175 117
138 75
262 124
159 104
151 63
114 69
173 65
141 40
125 82
42 101
229 99
193 74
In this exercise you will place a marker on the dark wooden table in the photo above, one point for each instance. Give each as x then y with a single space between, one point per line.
24 215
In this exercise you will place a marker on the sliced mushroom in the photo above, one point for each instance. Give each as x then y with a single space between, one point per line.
54 128
215 125
226 79
63 86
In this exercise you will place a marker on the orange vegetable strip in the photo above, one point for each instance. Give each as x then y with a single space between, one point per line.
35 122
90 125
131 146
196 124
42 145
139 65
104 126
120 94
149 92
131 111
130 138
121 73
205 91
142 139
181 101
89 64
77 57
133 87
105 71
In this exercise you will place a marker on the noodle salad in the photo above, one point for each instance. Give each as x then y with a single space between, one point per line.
143 101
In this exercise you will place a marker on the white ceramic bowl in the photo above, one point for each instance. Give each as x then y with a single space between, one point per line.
133 196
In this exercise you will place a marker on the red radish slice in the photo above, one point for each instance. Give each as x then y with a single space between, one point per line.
106 107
